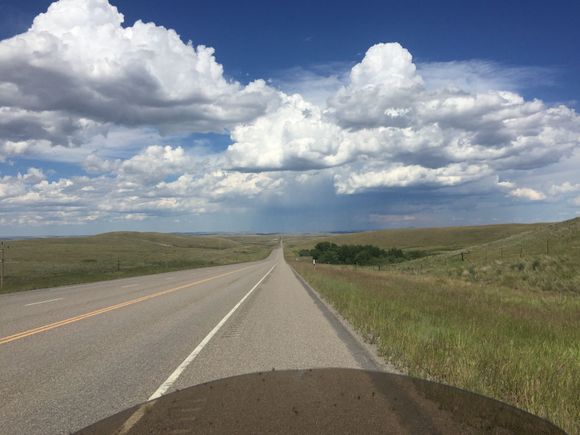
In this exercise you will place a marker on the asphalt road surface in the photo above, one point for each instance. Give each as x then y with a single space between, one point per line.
73 355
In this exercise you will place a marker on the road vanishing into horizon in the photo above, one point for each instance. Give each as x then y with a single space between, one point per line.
70 356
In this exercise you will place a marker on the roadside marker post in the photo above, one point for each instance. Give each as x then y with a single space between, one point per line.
3 248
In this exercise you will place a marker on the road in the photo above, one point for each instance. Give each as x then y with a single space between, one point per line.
73 355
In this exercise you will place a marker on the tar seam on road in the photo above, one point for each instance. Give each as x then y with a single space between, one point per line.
361 355
165 386
50 326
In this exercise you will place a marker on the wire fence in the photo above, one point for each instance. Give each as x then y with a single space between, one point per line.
483 254
523 250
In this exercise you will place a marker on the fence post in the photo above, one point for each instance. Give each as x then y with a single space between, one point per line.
2 264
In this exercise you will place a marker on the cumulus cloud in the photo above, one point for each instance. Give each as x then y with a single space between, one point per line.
380 89
219 185
407 176
527 193
152 164
295 136
564 188
81 86
78 69
386 128
158 181
32 189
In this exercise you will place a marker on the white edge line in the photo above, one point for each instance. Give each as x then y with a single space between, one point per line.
129 285
175 375
44 302
143 409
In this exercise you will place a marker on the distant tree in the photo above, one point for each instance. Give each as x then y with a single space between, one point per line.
364 255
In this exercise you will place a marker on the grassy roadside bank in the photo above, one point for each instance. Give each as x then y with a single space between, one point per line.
518 346
546 259
434 240
51 262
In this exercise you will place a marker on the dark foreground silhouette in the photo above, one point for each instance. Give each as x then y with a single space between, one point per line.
323 401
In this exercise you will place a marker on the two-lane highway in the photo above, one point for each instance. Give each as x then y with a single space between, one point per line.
73 355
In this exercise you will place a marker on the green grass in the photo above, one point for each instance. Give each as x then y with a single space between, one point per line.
530 257
517 346
51 262
429 239
504 322
547 259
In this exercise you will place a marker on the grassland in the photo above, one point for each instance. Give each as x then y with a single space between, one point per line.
546 258
434 240
50 262
504 322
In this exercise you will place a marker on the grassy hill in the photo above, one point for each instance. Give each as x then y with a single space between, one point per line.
163 239
429 239
503 322
529 256
48 262
545 258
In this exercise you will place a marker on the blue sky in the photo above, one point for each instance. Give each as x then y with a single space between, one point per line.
294 116
260 39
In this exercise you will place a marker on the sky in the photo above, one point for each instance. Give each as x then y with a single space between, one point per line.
258 116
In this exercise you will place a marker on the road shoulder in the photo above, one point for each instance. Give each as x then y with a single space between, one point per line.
366 353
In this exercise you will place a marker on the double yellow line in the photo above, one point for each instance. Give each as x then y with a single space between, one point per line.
74 319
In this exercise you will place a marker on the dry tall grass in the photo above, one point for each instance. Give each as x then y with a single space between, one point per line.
52 262
518 346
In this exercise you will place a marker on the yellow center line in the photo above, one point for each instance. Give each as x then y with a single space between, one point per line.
74 319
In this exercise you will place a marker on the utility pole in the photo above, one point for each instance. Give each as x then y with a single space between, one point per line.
2 259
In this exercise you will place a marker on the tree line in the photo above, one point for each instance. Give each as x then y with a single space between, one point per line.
362 255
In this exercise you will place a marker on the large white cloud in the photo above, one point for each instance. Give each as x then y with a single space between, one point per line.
81 87
380 91
296 136
387 120
77 66
399 176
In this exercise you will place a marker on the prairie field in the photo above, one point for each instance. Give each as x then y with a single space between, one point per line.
51 262
434 240
503 322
